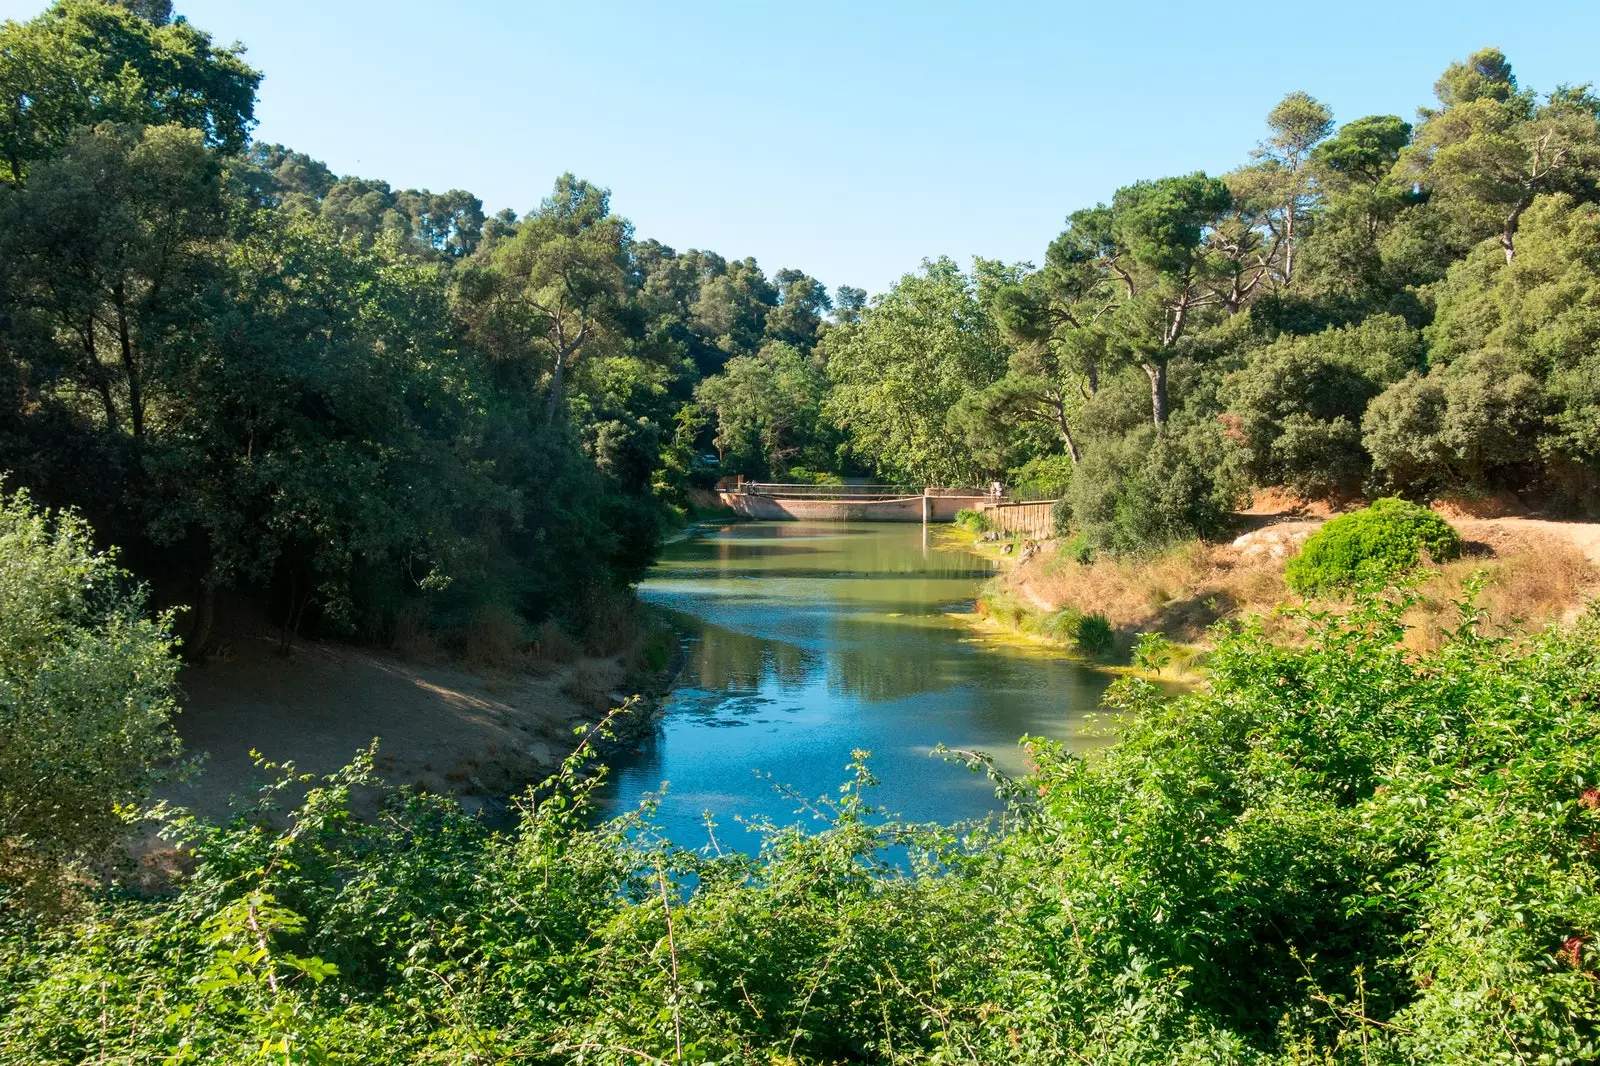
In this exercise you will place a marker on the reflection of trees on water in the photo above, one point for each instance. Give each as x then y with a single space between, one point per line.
726 659
869 674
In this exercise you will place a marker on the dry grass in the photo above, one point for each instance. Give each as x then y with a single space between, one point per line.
1180 592
552 646
414 638
589 686
610 623
494 640
1528 585
1531 580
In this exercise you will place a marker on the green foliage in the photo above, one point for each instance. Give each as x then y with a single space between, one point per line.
1148 490
1298 403
768 412
1152 652
1374 544
1089 633
1042 477
85 695
898 371
1279 868
85 62
1094 634
972 521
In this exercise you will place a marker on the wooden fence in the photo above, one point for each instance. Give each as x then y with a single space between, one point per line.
1035 519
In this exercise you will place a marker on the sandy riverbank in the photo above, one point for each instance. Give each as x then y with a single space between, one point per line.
440 728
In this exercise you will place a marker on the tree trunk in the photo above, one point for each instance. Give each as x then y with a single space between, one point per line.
97 373
1066 431
198 646
130 364
1157 373
1508 233
554 402
1288 244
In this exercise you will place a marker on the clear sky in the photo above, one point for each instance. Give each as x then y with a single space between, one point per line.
848 139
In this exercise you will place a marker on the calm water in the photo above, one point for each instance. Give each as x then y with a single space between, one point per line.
807 640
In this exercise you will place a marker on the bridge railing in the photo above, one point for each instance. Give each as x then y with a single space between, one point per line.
832 492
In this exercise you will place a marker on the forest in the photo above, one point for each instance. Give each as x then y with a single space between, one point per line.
235 379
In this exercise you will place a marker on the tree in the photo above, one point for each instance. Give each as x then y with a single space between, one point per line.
1491 150
112 245
802 301
1298 403
86 680
85 62
1281 180
848 303
732 307
897 373
1144 270
551 292
767 409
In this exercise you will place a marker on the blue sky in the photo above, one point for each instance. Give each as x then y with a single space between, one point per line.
850 140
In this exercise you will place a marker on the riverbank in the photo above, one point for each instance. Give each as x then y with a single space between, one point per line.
481 734
1536 572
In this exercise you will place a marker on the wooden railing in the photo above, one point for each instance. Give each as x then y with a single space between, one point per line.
852 492
1035 519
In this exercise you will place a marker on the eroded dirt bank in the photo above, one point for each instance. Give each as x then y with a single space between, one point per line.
442 728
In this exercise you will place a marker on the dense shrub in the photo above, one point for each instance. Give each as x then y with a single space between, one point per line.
1042 477
972 521
1372 544
1339 852
1089 633
85 693
1145 491
1094 634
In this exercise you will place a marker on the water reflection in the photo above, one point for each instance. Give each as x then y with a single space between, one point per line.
810 639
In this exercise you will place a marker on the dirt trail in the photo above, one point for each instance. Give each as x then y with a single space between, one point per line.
1506 533
441 728
1499 535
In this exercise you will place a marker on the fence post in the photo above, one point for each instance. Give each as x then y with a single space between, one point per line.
927 506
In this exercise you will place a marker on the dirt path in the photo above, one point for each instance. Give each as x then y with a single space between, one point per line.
1507 533
441 728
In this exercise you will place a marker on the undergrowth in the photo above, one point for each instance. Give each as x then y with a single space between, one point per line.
1340 852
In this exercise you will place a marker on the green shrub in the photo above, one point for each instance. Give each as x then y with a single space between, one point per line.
1079 550
1244 859
1061 517
1064 625
1373 544
1095 636
1147 490
1042 477
85 695
972 521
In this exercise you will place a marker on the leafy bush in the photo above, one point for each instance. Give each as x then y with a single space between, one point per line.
1061 517
972 521
1145 491
1318 458
1372 544
1095 636
85 694
1042 477
1278 869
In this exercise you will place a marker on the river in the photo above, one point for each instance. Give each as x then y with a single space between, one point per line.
808 640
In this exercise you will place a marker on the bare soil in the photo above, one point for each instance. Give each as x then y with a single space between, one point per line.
439 728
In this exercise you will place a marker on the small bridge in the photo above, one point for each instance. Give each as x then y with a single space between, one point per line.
878 503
